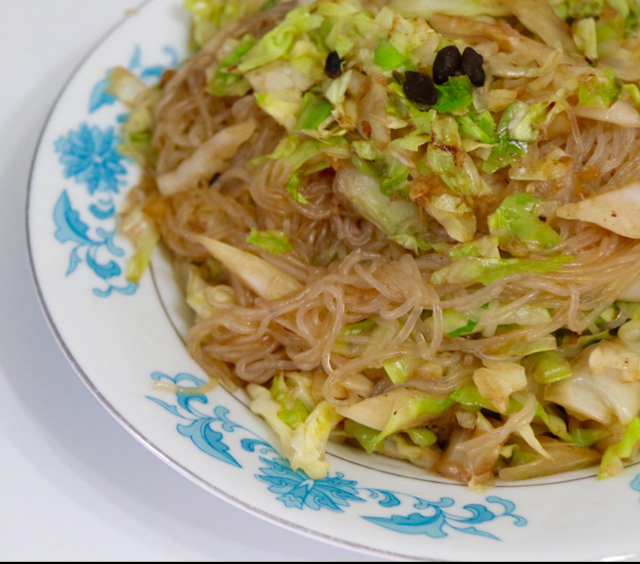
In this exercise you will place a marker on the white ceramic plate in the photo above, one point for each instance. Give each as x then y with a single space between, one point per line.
122 338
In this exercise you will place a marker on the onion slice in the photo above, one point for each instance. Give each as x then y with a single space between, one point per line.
207 160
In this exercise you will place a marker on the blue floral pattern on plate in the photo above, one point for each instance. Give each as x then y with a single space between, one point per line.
70 228
334 493
89 155
295 488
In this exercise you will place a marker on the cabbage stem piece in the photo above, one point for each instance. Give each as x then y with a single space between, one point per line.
263 404
564 458
498 380
207 160
143 234
468 457
401 368
125 86
203 298
604 394
309 441
549 367
366 436
617 210
540 18
412 414
413 407
470 270
621 113
266 280
611 464
305 445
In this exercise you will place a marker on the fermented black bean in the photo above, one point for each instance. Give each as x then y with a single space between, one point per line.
447 64
472 66
419 88
333 65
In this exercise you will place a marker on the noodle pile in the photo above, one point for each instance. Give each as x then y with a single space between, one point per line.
371 318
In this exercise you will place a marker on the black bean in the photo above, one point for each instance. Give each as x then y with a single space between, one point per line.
333 65
447 64
472 66
419 88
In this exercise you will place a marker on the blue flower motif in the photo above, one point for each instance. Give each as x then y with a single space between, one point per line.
297 490
635 484
90 156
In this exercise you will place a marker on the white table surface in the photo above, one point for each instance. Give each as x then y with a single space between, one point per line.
73 483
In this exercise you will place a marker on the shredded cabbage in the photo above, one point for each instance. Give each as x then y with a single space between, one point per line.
126 86
455 96
468 270
277 42
274 241
206 299
388 57
498 380
549 367
313 112
518 226
603 396
611 464
142 232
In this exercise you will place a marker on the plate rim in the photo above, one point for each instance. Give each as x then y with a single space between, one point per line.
113 411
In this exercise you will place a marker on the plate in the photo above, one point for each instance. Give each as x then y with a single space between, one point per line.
125 342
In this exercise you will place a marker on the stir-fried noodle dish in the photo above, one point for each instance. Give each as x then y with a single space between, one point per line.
408 226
